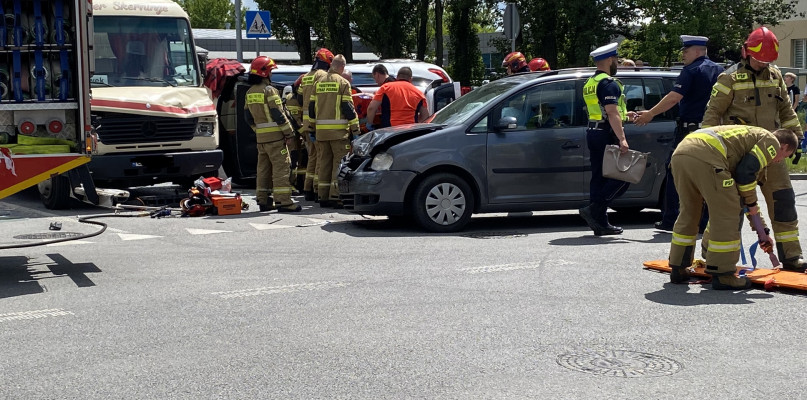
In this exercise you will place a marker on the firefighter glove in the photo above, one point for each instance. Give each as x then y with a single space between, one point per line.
797 153
313 137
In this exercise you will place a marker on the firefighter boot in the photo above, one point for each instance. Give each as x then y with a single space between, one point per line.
679 275
794 264
729 282
269 206
293 207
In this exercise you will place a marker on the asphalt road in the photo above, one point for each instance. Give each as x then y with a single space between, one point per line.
334 305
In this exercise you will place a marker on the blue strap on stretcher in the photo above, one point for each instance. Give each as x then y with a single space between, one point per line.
60 41
16 80
3 32
39 39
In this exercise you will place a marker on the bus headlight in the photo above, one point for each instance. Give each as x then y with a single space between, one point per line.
204 129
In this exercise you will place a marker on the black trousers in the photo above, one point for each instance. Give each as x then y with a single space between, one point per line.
602 190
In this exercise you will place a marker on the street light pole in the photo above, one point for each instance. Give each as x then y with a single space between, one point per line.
238 53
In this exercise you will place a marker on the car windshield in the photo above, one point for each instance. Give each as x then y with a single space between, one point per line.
459 110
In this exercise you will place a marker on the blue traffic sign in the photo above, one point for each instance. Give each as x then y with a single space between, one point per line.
259 24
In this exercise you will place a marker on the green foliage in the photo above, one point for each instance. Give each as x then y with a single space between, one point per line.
387 26
211 14
464 55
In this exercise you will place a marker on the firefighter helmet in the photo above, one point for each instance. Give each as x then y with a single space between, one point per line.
515 61
324 55
539 64
762 45
262 66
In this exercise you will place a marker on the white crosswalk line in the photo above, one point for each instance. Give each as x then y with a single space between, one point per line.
132 236
263 227
193 231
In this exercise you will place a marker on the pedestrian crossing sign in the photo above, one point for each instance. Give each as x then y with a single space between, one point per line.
259 24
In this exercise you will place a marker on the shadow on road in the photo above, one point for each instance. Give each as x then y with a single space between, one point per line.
679 295
512 224
20 275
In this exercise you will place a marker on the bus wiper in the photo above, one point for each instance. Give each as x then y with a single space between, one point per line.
151 79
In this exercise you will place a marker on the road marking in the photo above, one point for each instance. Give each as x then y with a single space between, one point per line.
53 312
297 287
132 236
69 242
512 267
193 231
263 227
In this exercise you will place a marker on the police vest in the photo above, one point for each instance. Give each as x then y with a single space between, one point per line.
595 111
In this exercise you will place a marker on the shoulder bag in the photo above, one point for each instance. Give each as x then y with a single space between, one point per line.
628 167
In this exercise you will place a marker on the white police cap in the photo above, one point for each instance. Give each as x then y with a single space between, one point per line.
601 53
689 40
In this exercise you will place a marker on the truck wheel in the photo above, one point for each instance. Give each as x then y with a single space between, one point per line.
55 192
443 203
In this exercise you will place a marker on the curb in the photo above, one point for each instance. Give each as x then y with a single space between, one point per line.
798 177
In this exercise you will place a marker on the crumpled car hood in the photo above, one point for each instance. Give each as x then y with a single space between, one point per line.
182 101
397 134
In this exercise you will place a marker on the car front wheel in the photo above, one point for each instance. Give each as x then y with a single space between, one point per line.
443 203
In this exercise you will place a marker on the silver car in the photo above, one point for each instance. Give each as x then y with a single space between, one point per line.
515 144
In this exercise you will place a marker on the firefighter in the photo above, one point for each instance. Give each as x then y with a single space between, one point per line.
539 64
297 150
721 165
690 93
272 132
515 63
336 122
322 61
605 105
753 92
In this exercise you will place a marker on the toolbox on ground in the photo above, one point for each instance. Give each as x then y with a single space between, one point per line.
227 205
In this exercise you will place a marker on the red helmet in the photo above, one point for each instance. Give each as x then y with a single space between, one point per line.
762 45
324 55
515 61
539 64
262 66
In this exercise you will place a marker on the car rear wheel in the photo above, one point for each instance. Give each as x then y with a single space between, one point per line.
443 203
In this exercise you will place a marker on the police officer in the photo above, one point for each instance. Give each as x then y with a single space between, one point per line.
691 93
605 104
753 92
334 117
272 132
515 63
322 61
721 165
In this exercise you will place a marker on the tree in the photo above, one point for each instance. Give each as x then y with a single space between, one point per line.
211 14
292 22
389 27
438 32
726 24
463 44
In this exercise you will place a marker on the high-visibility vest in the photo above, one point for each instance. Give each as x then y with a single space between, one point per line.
596 112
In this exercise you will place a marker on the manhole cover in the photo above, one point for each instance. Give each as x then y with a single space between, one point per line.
48 235
495 235
620 363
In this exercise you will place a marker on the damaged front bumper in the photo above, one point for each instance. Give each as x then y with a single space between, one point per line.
368 192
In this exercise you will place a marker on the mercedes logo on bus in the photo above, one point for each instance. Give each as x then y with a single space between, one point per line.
149 129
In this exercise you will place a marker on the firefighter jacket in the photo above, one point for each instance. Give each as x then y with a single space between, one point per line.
295 109
744 97
306 90
332 108
743 151
269 122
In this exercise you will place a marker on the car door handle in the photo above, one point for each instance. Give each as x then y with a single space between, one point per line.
569 145
665 139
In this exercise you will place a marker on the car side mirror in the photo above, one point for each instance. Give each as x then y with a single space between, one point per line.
507 123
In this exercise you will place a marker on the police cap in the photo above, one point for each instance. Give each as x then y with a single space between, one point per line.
689 40
601 53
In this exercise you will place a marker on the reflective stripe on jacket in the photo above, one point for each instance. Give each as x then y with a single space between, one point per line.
329 95
596 112
260 100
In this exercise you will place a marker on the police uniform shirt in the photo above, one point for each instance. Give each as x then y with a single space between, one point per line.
695 84
608 92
